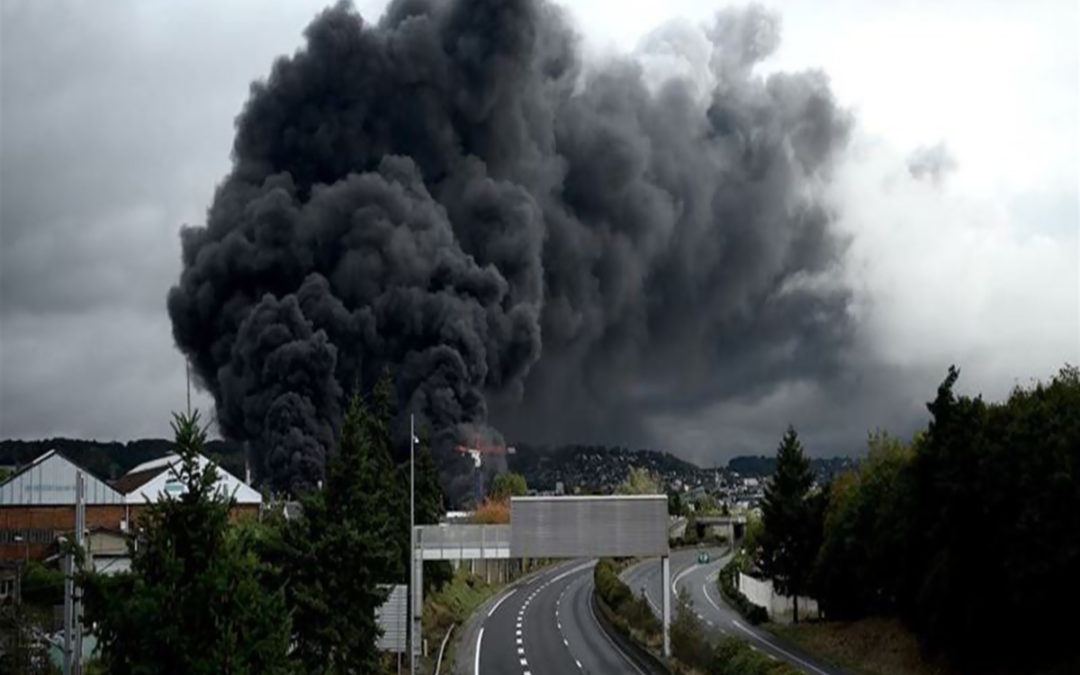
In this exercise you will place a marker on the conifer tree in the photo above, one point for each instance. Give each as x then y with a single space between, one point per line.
193 601
344 546
789 541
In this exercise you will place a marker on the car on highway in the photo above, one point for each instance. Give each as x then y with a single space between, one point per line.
703 558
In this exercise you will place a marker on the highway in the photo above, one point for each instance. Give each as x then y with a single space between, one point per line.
544 625
714 613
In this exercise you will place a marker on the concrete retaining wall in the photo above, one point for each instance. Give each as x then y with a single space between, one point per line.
780 607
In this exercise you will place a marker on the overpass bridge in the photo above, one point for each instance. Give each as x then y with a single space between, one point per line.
618 526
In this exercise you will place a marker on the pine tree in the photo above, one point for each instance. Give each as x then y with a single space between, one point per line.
193 601
789 541
346 544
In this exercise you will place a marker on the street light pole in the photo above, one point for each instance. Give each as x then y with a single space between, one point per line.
413 642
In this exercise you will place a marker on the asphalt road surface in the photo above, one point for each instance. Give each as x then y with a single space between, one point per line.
544 625
714 613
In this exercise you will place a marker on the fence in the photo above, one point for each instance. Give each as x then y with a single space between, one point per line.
463 542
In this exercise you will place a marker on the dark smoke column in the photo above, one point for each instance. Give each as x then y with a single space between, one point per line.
452 194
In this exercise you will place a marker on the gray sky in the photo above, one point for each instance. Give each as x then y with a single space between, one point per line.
116 121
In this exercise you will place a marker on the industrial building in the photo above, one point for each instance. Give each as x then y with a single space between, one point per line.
37 506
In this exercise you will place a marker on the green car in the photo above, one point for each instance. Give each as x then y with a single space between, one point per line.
703 558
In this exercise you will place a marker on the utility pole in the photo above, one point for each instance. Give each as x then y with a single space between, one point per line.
73 595
187 367
80 529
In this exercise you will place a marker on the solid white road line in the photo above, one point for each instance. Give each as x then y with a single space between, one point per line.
680 575
618 651
500 601
705 590
573 571
479 637
776 648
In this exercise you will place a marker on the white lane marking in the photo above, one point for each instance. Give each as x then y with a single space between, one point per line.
578 664
565 642
773 646
680 575
524 662
705 591
479 637
521 651
573 571
512 590
592 612
518 639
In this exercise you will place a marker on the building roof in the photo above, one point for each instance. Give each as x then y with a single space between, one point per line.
49 480
133 480
153 480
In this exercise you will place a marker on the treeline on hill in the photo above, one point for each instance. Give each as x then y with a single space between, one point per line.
970 533
206 595
112 459
825 468
587 466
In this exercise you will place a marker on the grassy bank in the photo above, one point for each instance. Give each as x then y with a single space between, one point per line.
453 604
875 646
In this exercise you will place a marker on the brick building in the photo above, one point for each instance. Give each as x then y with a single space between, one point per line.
37 504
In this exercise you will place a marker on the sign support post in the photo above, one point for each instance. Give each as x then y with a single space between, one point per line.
665 563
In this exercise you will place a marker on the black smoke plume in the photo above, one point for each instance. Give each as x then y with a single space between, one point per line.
556 248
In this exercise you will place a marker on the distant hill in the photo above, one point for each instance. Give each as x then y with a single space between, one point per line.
759 466
594 468
113 459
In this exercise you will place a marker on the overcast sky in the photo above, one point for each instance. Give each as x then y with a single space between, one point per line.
117 119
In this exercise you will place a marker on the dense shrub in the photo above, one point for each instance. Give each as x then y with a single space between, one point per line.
688 642
729 587
634 612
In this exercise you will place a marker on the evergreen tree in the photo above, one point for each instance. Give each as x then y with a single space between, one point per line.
193 602
346 544
789 541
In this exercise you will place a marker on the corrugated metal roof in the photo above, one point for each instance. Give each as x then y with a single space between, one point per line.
50 480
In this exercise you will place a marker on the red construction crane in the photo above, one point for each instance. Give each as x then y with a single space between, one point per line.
477 451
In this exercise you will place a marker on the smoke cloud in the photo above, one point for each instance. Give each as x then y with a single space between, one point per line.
553 248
